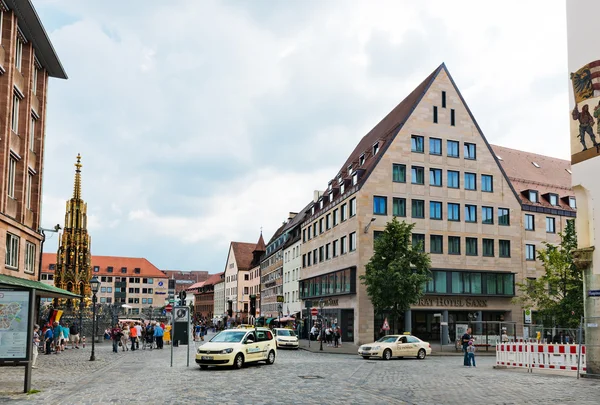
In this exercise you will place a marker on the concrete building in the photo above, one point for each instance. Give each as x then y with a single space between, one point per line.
124 280
237 278
185 279
271 275
219 297
27 61
204 297
427 162
254 278
292 265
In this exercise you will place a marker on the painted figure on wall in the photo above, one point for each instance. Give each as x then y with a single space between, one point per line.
586 123
583 87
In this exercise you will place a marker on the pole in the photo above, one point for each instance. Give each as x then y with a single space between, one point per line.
93 356
172 335
189 340
579 339
321 332
30 347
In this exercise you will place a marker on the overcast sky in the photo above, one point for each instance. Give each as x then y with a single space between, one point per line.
199 122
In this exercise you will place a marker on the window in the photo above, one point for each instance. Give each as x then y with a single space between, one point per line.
32 134
379 205
35 78
572 202
327 252
321 225
436 244
470 151
470 213
435 115
453 179
399 207
488 247
435 210
309 259
453 245
435 146
335 248
12 175
418 175
18 54
470 181
452 117
96 269
487 215
15 114
529 222
398 173
109 269
343 247
504 248
344 212
361 160
487 183
355 179
533 196
124 270
352 207
503 216
335 218
418 209
443 99
375 149
529 252
553 198
321 254
29 185
418 242
452 147
315 229
471 246
328 221
352 241
550 225
29 257
12 251
416 144
103 300
102 289
435 177
453 212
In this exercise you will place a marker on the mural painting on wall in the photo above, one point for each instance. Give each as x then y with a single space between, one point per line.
585 122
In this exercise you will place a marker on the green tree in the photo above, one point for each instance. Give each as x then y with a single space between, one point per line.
397 272
558 294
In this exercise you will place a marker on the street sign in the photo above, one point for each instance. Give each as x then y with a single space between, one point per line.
168 308
314 317
593 293
172 301
528 316
444 323
280 298
314 312
592 325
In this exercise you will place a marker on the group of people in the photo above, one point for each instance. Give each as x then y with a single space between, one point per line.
468 348
151 333
332 335
200 330
55 338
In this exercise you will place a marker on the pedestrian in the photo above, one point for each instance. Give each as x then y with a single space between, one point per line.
133 335
158 334
125 337
57 333
116 334
197 332
65 331
336 336
202 331
465 344
36 345
74 334
139 334
471 349
167 335
48 339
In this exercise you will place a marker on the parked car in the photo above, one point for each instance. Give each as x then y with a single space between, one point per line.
396 346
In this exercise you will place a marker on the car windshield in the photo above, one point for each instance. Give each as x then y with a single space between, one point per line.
285 332
229 337
388 339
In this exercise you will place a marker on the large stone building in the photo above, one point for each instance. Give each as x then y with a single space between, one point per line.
427 162
254 278
27 60
219 298
133 282
271 275
204 297
292 265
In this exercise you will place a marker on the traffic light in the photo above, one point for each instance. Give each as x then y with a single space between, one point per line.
182 296
253 305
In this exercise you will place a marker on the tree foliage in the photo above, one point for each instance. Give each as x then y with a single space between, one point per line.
397 272
558 294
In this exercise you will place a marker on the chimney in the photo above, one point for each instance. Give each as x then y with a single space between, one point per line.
292 215
316 195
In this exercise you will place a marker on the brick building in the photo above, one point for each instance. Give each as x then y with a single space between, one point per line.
27 61
185 279
204 297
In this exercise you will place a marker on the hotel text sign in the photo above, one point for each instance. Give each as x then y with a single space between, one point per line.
452 302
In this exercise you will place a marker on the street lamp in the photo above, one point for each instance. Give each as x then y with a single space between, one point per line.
321 305
95 286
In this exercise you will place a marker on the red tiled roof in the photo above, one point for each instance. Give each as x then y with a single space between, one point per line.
147 269
197 285
260 245
212 280
552 176
243 254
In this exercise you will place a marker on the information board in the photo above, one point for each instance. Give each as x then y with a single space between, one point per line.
14 321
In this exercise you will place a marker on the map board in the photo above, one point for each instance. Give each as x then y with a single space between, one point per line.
14 313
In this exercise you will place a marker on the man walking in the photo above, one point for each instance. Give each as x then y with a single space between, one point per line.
466 338
139 335
48 338
133 335
116 337
158 334
74 333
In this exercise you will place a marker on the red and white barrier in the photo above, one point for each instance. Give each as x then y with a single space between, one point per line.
543 356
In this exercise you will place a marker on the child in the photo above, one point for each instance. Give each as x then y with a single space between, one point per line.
471 353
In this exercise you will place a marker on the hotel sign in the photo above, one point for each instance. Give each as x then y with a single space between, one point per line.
452 302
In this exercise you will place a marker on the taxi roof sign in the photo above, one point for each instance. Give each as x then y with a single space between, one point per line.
406 333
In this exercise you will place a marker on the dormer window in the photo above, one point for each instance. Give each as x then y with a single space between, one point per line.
535 164
340 180
572 202
361 160
330 187
349 168
342 188
375 148
533 196
553 198
355 179
321 204
124 270
312 210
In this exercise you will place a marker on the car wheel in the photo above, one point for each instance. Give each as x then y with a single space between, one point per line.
421 354
271 357
238 362
387 354
366 357
203 366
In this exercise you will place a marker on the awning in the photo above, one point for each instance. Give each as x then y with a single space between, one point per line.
269 320
41 289
286 319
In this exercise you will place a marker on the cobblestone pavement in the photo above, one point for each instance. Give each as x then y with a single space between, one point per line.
146 377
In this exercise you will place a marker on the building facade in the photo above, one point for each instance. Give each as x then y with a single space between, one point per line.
271 275
292 265
428 163
219 298
204 297
133 282
254 279
237 279
27 61
185 279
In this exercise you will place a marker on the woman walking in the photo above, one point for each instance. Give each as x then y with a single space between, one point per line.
125 337
116 337
36 344
133 335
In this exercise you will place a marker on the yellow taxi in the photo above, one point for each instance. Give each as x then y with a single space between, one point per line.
286 338
396 346
236 347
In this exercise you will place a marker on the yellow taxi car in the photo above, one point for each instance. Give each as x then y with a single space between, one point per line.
286 338
236 347
396 346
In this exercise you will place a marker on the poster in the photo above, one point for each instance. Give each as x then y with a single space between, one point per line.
14 313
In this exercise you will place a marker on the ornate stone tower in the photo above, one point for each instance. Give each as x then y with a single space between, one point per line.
74 258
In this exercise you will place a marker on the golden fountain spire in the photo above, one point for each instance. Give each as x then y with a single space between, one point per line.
77 188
